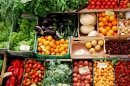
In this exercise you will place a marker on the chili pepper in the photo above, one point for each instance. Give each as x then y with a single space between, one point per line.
20 73
22 64
7 82
16 63
10 69
12 81
16 72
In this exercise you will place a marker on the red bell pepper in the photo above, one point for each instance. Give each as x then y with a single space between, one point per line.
22 64
7 82
16 72
16 63
10 69
12 81
20 73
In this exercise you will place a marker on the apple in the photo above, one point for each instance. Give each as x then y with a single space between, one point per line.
80 62
75 74
90 69
86 82
75 79
85 63
79 76
76 67
75 70
90 64
75 63
74 84
88 77
83 78
78 84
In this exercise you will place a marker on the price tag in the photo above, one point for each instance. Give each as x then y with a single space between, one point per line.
102 65
83 69
79 52
25 47
109 13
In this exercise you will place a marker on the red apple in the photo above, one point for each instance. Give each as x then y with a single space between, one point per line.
75 79
85 63
78 84
86 82
88 77
79 76
75 63
75 70
90 69
75 74
88 73
76 67
90 64
83 78
80 62
74 84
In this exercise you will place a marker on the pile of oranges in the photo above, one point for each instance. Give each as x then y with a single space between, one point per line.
48 46
107 24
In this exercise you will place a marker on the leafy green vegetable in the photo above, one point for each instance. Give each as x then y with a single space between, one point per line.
1 64
58 72
23 34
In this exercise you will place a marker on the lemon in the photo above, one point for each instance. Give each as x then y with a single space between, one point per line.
88 45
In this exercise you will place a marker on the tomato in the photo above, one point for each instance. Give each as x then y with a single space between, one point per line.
116 6
102 7
30 61
120 7
111 7
97 7
108 3
124 6
38 63
95 0
106 7
33 76
98 3
40 76
35 81
39 66
30 66
24 82
36 69
28 70
35 66
125 3
42 68
103 3
31 73
111 0
106 0
39 79
121 3
89 7
113 3
26 75
42 72
93 7
26 66
92 3
36 74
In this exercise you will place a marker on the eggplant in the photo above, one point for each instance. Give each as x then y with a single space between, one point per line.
39 30
61 29
50 32
55 37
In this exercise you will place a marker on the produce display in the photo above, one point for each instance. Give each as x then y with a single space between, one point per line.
17 69
82 73
58 25
58 73
88 24
107 24
103 73
114 47
94 45
34 72
23 34
124 23
122 73
49 46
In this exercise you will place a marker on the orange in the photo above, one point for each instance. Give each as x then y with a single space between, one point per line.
106 23
101 24
42 37
104 31
39 44
57 54
67 41
62 41
56 50
115 34
47 53
46 43
109 34
114 28
51 44
100 19
58 46
54 46
43 53
53 40
114 23
39 39
65 45
49 38
46 37
66 50
112 18
39 49
57 42
111 31
52 50
63 53
42 41
100 14
103 13
48 47
107 17
100 29
108 28
52 53
61 49
104 20
110 24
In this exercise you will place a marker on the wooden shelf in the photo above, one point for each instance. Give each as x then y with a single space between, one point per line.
101 10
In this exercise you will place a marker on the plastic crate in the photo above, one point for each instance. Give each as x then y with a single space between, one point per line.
4 58
23 53
40 56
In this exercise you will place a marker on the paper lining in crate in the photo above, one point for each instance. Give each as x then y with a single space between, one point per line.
82 47
24 45
87 27
4 58
117 46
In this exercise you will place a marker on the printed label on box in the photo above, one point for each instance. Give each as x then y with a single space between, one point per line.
109 13
25 47
79 52
102 65
83 69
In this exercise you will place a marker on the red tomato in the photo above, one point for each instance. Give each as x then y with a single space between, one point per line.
95 0
28 70
97 7
39 79
30 66
98 3
34 66
36 69
120 7
36 74
111 0
103 3
39 66
106 0
31 73
113 3
106 7
30 61
124 6
42 68
33 76
111 7
89 7
42 72
26 66
24 82
38 63
26 75
108 3
102 7
93 7
35 81
121 3
116 6
125 3
92 3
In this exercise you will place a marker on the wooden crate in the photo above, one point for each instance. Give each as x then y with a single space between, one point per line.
78 44
4 66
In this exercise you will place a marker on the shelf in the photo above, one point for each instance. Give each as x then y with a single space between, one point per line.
101 10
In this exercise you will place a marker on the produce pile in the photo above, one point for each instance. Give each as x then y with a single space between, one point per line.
122 73
49 46
103 73
94 45
23 34
58 25
107 24
34 73
58 73
16 68
82 73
